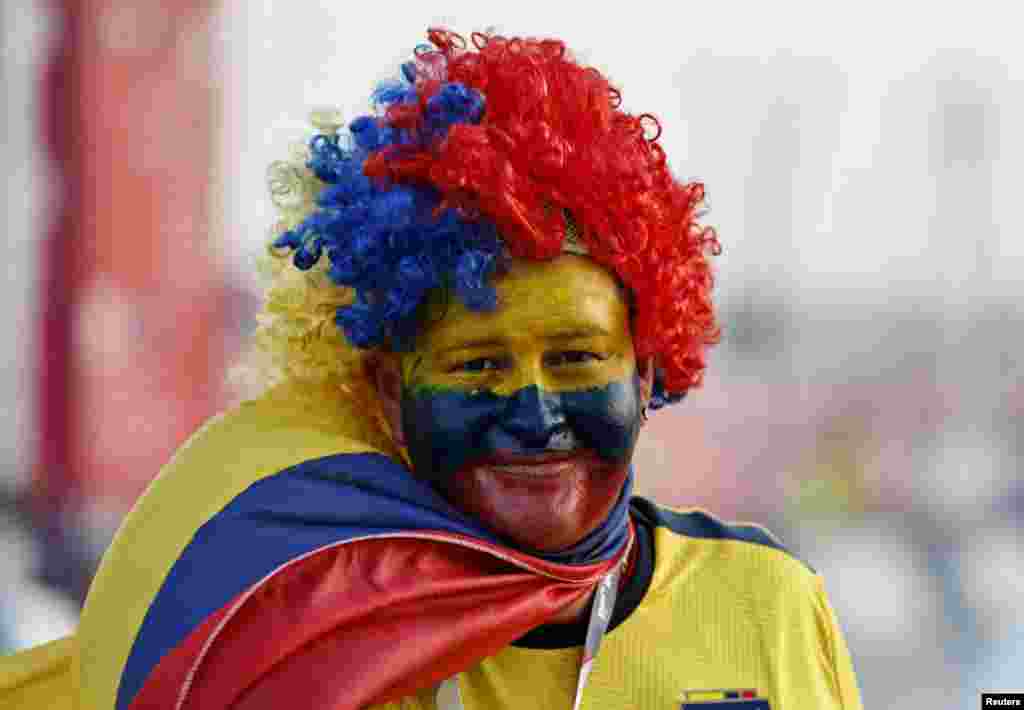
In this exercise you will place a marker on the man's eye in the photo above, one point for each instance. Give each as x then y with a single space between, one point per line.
480 364
572 357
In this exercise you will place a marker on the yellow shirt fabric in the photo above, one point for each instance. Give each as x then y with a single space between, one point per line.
720 613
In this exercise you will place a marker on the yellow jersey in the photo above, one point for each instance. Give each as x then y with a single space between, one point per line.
714 617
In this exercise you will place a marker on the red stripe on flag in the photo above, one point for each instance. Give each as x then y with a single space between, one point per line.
386 616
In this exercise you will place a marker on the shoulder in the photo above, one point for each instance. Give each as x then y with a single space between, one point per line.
285 427
730 580
230 454
698 524
226 457
739 571
698 553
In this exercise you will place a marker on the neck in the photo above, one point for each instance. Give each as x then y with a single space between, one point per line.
577 611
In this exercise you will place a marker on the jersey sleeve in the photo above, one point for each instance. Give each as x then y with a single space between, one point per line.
40 677
842 678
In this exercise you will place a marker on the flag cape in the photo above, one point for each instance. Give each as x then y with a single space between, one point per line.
285 553
344 581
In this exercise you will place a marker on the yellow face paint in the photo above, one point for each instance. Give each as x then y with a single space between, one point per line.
561 325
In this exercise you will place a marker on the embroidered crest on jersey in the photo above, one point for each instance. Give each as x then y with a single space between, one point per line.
742 699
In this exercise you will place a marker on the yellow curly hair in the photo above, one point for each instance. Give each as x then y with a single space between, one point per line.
297 345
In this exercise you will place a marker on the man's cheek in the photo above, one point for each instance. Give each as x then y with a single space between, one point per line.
606 419
444 429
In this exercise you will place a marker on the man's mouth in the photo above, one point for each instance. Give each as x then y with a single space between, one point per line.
533 466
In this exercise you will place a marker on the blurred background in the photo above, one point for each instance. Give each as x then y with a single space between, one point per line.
863 164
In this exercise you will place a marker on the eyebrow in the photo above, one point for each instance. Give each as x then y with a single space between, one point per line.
559 336
589 331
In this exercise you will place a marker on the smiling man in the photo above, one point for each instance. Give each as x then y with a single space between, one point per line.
478 293
526 417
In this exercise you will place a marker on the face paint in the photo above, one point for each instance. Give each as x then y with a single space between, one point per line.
447 429
527 417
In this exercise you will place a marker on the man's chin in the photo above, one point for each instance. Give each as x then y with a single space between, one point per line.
546 544
541 532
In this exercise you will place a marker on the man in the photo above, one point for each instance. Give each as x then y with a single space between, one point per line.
477 298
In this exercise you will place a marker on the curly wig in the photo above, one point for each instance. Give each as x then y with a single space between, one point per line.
477 154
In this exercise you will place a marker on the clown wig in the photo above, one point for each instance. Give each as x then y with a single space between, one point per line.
506 148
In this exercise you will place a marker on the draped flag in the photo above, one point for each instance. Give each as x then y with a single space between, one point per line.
274 558
342 579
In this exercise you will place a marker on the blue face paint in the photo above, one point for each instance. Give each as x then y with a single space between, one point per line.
446 429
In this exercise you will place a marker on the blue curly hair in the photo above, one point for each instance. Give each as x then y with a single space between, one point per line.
389 242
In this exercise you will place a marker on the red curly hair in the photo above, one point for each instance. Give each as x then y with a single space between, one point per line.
553 136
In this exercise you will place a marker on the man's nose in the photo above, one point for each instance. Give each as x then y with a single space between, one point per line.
536 420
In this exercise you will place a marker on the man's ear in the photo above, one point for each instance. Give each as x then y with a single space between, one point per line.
646 371
387 378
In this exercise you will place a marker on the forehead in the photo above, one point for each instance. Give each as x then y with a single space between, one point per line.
534 299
